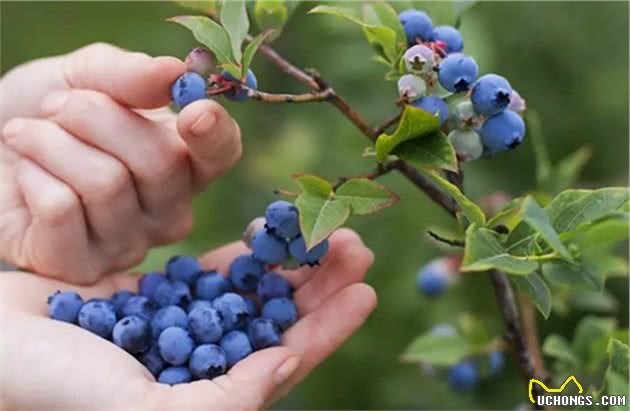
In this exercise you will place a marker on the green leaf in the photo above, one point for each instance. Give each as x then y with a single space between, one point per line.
591 339
433 151
320 217
568 170
207 7
471 210
251 49
474 331
414 123
537 219
537 290
437 350
365 196
233 69
587 277
617 384
484 252
509 217
618 354
235 21
210 34
386 15
599 235
314 185
271 14
556 346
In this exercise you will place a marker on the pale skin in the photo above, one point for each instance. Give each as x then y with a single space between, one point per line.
88 185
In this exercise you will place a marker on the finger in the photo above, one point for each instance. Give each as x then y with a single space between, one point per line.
133 79
153 152
102 183
213 139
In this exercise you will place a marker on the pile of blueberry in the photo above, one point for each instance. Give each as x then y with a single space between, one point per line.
483 115
191 324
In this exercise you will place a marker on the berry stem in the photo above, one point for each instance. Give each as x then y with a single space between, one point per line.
288 98
380 129
448 241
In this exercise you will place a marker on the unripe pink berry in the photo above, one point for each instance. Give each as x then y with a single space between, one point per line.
200 60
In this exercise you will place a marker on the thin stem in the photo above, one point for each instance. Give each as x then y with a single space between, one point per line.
447 241
380 129
288 98
530 329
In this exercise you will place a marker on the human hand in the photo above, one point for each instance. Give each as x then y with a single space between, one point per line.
89 182
50 364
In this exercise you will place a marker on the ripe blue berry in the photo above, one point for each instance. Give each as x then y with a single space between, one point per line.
432 279
451 36
281 311
232 309
443 330
434 105
240 94
183 268
119 299
490 94
411 87
175 375
467 144
64 306
187 88
273 285
297 248
457 72
205 325
139 305
152 360
263 333
172 293
256 224
252 307
463 376
98 316
175 345
517 103
198 304
497 362
502 132
282 219
200 60
419 59
171 316
417 25
210 285
236 346
132 333
208 361
245 272
268 248
148 283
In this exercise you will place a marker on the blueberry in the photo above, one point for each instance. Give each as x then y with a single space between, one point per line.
240 94
282 219
205 325
417 25
148 283
252 308
268 248
273 285
64 306
451 36
467 144
119 299
132 333
419 59
463 376
172 293
187 88
175 345
497 362
297 248
490 94
170 316
411 87
517 103
152 360
232 309
263 333
175 375
502 132
208 361
443 330
256 224
457 72
139 305
434 105
98 316
199 304
200 60
210 285
183 268
236 346
245 272
432 279
281 311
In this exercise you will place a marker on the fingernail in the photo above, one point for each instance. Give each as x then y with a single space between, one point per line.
203 124
287 368
53 102
12 127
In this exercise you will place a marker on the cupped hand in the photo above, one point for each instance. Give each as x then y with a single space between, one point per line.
85 172
48 364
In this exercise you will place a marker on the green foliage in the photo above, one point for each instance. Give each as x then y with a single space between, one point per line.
537 290
470 210
437 350
433 151
271 14
252 48
210 34
207 7
538 220
235 21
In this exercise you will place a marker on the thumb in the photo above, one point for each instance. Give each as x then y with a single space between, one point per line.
133 79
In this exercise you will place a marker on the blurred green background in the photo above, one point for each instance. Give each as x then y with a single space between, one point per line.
569 60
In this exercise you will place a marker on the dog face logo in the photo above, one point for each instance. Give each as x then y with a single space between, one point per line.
569 379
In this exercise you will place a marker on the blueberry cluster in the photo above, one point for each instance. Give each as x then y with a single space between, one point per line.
483 116
193 85
187 323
